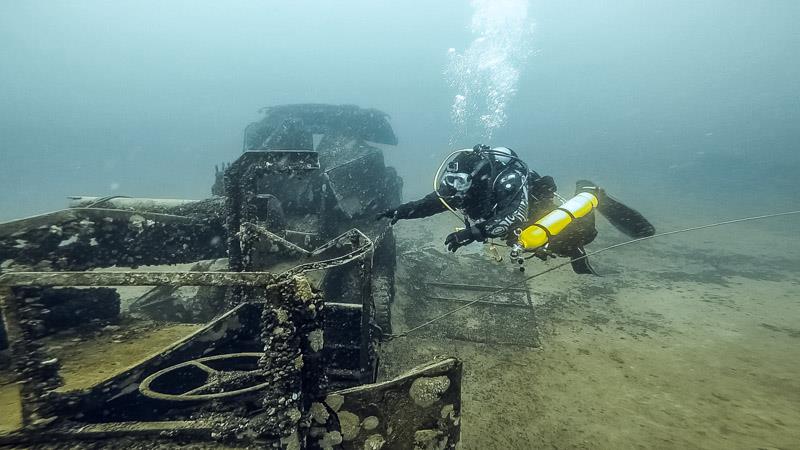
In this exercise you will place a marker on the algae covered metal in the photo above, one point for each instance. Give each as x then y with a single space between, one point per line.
249 319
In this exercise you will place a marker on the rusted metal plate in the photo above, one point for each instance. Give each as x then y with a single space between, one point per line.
355 185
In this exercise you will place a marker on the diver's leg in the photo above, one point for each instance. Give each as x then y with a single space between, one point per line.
580 263
624 218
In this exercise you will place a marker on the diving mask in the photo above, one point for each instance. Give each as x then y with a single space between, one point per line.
457 180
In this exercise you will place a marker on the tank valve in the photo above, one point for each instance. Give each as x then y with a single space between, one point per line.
516 256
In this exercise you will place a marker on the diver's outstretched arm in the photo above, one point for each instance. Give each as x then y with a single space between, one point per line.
424 207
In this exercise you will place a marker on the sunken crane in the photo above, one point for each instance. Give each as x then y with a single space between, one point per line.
250 319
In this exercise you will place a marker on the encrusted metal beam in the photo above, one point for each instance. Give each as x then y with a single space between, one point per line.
257 232
83 238
38 374
251 279
292 332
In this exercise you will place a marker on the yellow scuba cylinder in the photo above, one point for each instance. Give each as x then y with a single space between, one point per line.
554 222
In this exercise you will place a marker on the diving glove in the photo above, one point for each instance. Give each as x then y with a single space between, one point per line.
389 214
404 211
460 238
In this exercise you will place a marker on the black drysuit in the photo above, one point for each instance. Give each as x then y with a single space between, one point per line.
498 204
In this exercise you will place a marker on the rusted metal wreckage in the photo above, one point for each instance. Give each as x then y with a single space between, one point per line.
270 338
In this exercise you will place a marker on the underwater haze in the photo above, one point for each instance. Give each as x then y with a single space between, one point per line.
688 111
143 98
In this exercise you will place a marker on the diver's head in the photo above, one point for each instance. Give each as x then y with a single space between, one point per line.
481 162
460 173
459 181
502 155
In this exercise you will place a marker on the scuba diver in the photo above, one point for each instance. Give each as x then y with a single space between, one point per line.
501 198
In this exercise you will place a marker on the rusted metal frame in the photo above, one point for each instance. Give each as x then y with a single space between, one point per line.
33 390
184 345
354 234
384 263
246 190
291 314
39 396
368 350
9 310
260 231
25 348
283 319
482 288
247 212
244 218
38 373
14 334
195 345
233 202
355 258
359 252
236 177
347 163
300 233
241 180
306 161
94 432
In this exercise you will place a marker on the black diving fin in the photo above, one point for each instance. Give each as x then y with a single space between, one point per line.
580 263
624 218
